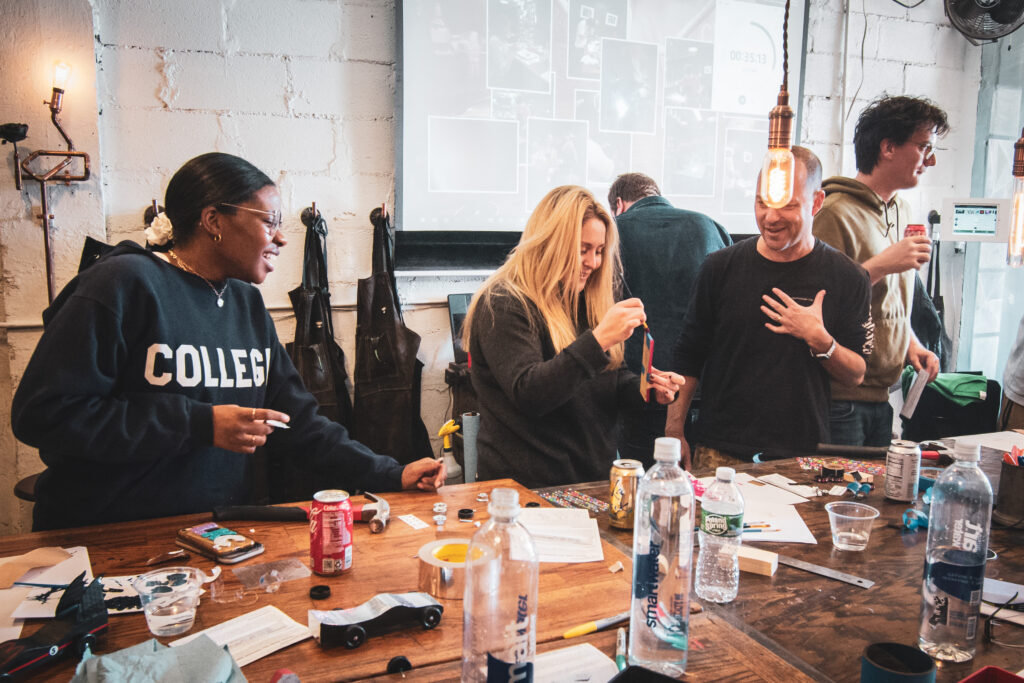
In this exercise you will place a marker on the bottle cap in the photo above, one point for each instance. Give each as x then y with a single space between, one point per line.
667 449
967 451
504 502
725 473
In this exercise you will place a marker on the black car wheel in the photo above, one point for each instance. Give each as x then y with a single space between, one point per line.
430 617
86 641
354 637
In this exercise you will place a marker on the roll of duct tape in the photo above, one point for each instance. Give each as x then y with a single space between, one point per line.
443 567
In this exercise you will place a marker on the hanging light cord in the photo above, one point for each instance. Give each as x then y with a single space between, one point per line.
785 49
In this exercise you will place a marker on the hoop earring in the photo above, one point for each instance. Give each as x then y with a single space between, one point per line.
216 238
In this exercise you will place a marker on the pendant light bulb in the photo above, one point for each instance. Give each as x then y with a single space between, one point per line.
779 167
777 177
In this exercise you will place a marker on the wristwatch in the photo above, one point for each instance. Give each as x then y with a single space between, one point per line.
827 354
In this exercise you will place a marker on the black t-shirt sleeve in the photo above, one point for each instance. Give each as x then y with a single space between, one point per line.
853 327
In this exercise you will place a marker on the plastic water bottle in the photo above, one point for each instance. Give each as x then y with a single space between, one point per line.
721 532
662 557
954 564
499 628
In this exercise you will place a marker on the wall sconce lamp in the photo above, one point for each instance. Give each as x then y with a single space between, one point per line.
776 188
1015 245
59 173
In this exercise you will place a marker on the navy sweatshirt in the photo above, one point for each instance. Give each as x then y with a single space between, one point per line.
118 397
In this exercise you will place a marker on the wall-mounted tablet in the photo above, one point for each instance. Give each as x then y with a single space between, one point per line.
976 220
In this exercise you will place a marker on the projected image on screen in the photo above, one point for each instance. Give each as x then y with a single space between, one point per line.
690 136
558 156
501 100
628 86
590 21
473 155
606 152
519 45
744 152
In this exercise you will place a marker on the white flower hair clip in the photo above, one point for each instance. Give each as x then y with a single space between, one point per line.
160 231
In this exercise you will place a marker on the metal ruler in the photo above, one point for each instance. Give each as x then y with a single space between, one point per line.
825 571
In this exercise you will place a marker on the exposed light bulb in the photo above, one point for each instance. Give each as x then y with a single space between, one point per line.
777 174
61 75
1015 245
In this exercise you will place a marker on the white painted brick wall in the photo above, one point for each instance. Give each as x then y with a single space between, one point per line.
273 27
306 90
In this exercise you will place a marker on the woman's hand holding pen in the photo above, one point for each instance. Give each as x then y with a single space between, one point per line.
243 429
666 385
619 322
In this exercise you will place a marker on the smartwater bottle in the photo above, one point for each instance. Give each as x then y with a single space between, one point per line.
721 532
662 552
954 563
499 627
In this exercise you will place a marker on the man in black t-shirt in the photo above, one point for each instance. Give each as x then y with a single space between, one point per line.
770 321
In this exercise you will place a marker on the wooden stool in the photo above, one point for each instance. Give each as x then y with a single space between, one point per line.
26 488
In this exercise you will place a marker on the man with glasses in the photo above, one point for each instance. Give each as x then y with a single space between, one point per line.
864 218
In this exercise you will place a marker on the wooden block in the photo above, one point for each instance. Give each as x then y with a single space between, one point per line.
757 561
859 477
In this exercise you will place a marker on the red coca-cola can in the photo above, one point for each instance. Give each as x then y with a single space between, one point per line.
914 230
330 532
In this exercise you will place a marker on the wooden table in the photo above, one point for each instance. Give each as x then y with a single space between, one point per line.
570 594
823 625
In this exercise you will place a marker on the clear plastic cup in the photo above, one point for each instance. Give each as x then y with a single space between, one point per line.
169 598
851 524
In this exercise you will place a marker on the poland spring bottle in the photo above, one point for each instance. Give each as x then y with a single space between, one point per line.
499 627
662 557
721 532
954 563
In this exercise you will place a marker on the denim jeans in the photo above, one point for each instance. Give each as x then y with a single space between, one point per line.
860 423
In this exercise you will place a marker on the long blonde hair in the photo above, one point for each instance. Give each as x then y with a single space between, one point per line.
545 267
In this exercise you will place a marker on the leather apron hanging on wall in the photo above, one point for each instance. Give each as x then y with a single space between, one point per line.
316 355
387 372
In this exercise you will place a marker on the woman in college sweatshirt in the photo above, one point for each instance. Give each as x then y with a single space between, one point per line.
545 339
157 371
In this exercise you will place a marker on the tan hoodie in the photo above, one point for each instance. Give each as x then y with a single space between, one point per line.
856 221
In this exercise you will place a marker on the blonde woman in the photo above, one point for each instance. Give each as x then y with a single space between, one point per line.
545 337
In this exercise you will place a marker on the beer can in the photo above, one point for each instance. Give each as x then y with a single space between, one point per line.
914 230
622 485
330 532
902 467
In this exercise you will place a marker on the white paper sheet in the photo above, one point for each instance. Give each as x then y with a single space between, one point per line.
254 635
786 525
563 534
758 492
914 395
570 663
1002 441
10 628
41 603
790 486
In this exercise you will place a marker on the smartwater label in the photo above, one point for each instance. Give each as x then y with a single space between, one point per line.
504 672
721 525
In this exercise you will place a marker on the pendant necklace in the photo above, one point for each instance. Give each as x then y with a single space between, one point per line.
187 268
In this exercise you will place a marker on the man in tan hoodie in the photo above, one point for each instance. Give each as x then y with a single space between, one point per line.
863 217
